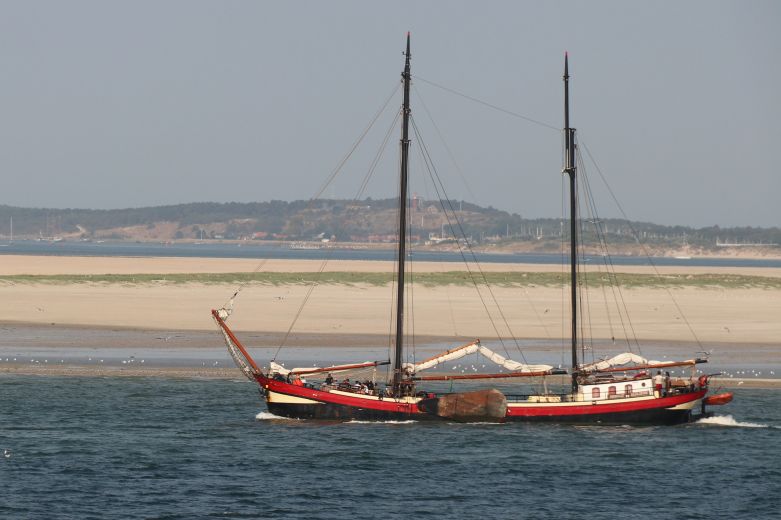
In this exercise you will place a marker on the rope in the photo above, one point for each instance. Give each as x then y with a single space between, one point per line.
229 304
361 189
615 286
357 142
447 148
300 310
645 249
437 186
471 193
490 105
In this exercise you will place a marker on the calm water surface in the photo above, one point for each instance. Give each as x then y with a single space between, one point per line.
261 250
167 448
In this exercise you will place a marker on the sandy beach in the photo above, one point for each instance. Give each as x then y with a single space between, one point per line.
734 315
741 324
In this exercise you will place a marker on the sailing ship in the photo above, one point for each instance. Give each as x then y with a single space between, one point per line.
619 390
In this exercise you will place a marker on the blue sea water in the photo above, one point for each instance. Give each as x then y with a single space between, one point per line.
183 448
276 251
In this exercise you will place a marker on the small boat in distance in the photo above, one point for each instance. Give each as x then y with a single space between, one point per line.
619 390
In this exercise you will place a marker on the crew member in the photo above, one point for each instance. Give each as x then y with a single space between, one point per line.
658 383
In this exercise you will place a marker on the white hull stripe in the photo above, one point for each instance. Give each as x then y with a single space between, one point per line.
274 397
566 404
686 406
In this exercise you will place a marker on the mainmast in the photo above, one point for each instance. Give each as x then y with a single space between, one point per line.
570 168
403 175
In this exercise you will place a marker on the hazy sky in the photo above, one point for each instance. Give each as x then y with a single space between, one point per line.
126 104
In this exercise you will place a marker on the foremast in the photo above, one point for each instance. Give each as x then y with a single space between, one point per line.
570 168
398 375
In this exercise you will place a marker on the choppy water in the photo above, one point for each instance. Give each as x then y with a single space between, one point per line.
164 448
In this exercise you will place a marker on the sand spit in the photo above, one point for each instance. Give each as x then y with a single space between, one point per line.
722 315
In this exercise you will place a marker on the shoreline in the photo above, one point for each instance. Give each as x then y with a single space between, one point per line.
64 336
235 374
40 265
151 314
734 252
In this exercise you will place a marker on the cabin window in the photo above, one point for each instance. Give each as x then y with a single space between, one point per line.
595 393
628 390
611 392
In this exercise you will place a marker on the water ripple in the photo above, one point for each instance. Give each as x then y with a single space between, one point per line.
152 448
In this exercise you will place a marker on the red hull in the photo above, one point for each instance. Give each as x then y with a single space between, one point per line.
308 403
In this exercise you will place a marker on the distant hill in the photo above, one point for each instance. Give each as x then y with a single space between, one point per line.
363 221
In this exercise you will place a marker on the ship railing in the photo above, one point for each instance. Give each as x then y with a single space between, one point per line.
538 398
560 398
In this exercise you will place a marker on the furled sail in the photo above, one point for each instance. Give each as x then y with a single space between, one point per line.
475 348
622 362
279 369
618 361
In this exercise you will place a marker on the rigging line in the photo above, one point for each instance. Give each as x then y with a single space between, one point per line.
534 309
332 175
645 249
582 277
593 218
423 150
357 142
431 168
363 186
410 314
603 247
490 105
377 157
244 284
584 293
607 259
300 309
615 285
444 143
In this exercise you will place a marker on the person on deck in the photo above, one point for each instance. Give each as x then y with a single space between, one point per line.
658 383
297 381
668 384
329 380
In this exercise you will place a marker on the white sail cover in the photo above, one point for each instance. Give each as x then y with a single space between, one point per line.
618 361
475 348
276 368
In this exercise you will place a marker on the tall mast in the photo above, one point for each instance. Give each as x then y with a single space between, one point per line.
570 168
403 175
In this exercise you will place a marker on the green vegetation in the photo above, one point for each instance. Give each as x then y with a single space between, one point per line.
359 221
501 279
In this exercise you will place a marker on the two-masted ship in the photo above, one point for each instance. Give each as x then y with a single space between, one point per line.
626 389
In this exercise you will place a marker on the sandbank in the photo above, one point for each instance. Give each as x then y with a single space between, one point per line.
707 315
